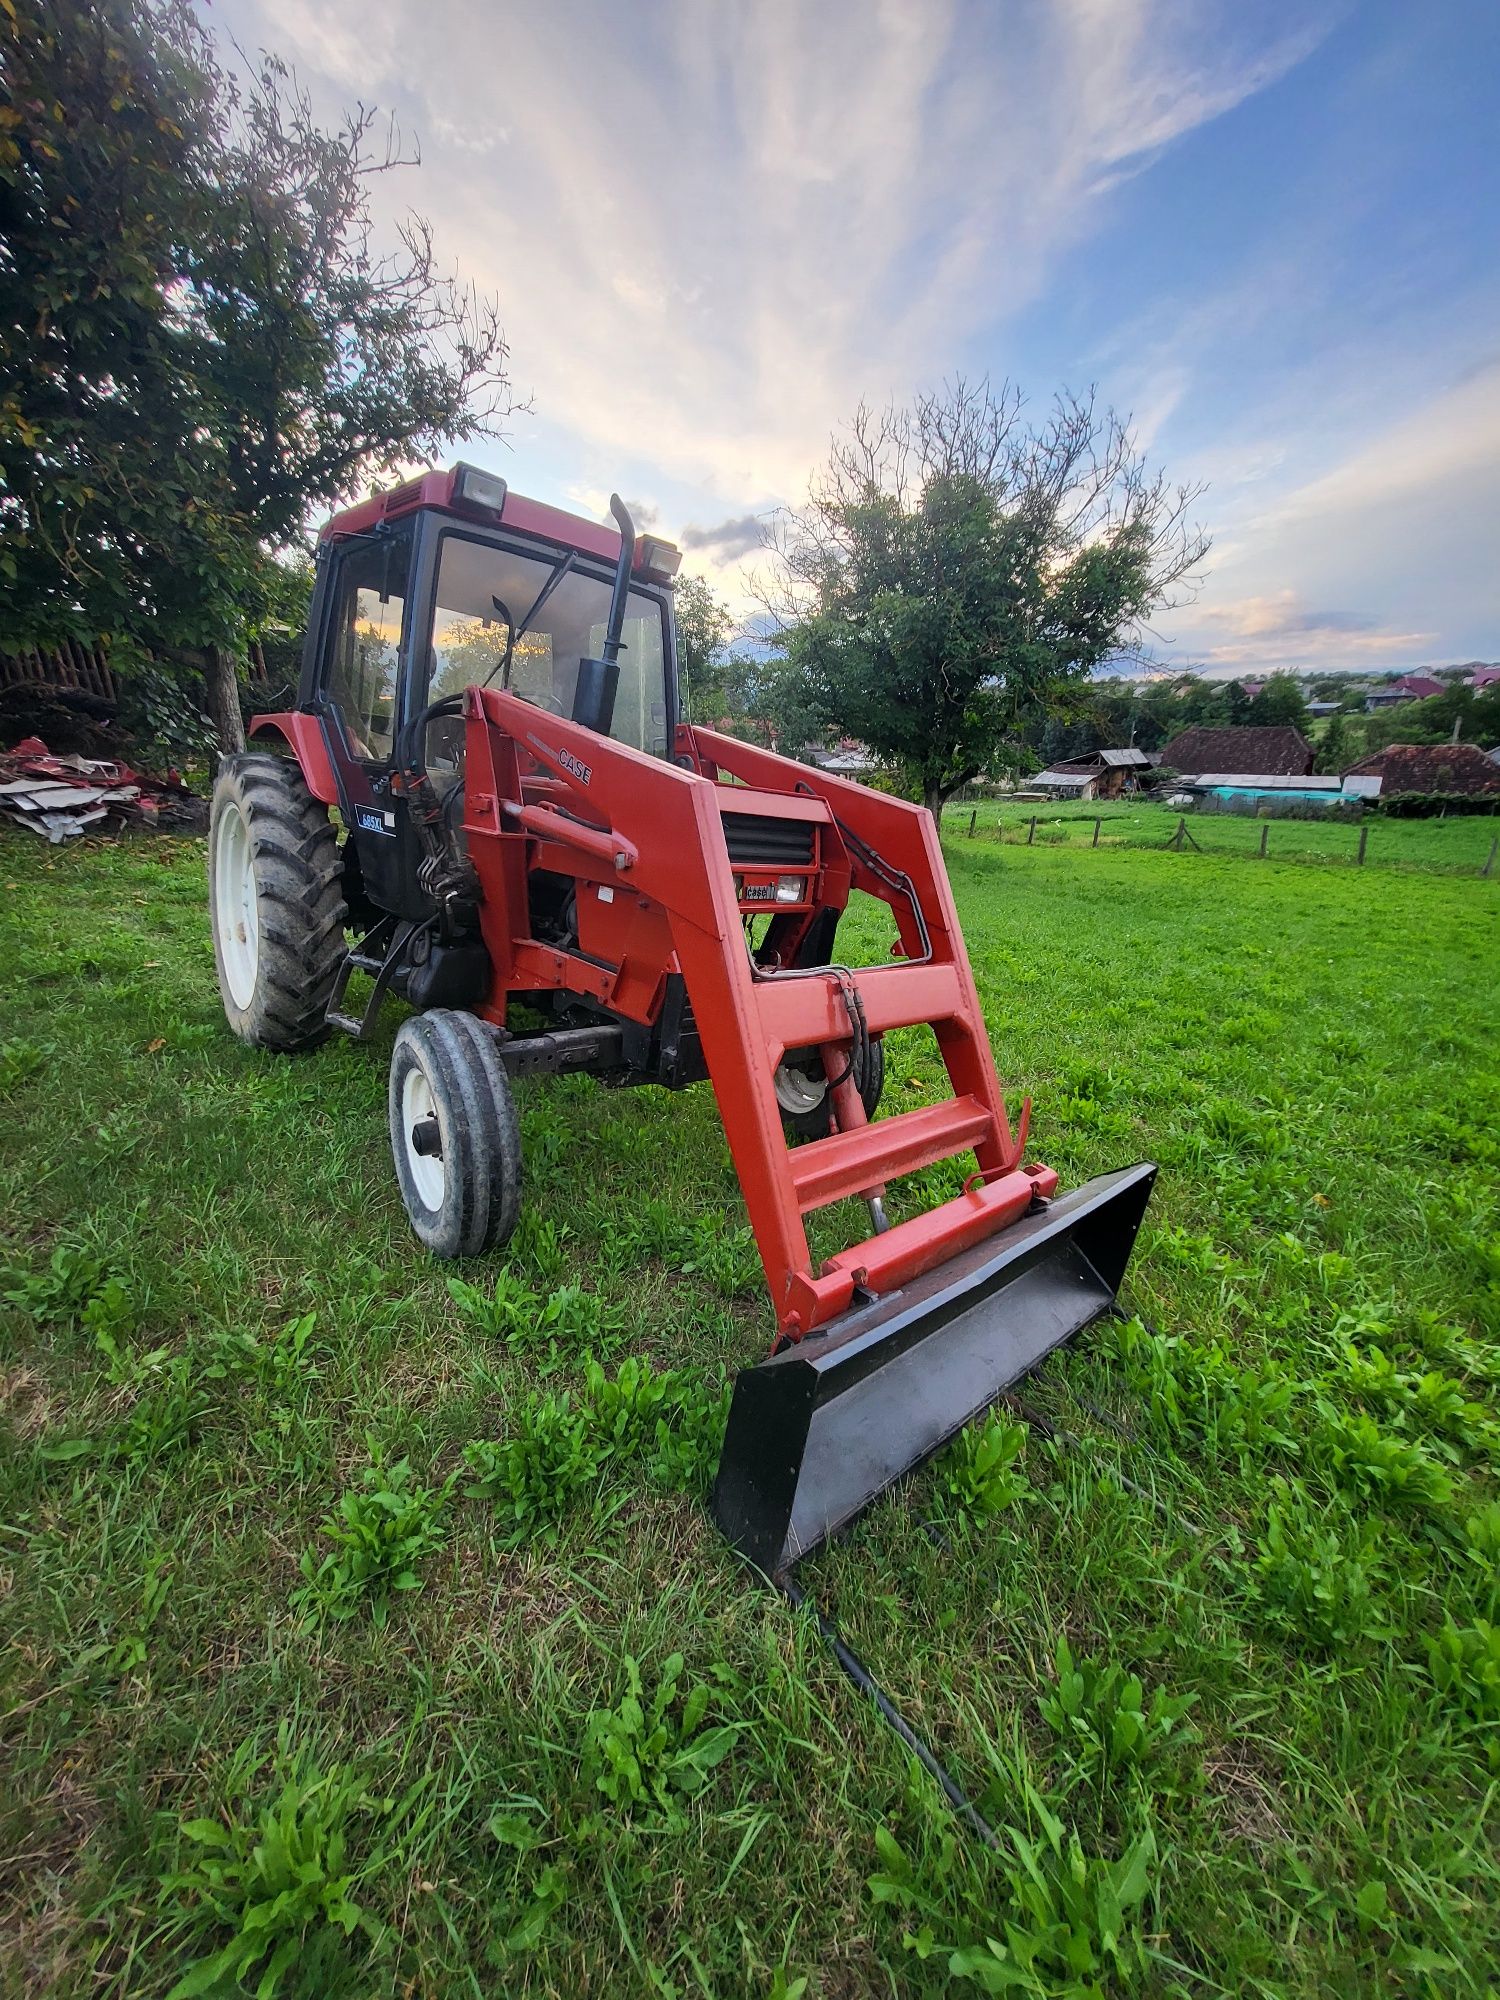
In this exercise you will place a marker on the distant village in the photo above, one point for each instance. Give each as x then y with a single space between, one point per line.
1290 744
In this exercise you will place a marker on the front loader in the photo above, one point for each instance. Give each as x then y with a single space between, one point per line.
557 872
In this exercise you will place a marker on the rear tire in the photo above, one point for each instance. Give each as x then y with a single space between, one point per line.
802 1091
275 901
455 1134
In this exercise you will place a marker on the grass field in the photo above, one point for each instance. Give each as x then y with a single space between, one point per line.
1458 844
1221 1664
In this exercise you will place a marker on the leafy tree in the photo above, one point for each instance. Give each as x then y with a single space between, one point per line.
1279 703
703 629
953 568
201 343
1339 747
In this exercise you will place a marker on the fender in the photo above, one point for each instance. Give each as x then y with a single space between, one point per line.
303 736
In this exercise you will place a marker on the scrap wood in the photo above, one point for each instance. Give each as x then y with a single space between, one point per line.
58 797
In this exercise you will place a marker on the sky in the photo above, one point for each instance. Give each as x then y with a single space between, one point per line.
1270 233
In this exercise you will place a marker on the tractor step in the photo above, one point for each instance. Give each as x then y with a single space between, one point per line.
820 1430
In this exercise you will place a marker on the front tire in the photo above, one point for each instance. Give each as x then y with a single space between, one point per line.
275 903
802 1090
455 1134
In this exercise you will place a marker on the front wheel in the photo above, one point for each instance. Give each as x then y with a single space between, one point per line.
455 1134
802 1090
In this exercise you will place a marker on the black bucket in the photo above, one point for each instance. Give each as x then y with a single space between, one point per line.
816 1433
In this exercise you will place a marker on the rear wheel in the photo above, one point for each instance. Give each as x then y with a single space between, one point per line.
802 1089
275 901
455 1134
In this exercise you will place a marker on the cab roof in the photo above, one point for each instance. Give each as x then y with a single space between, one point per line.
442 492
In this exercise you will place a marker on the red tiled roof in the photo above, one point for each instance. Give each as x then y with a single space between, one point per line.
1419 686
1435 770
1279 752
1483 677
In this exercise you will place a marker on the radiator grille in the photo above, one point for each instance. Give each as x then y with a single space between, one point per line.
755 842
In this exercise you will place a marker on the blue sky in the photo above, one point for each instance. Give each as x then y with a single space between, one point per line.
1272 232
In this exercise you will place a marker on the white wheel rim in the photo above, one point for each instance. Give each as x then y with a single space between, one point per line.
798 1093
428 1175
234 905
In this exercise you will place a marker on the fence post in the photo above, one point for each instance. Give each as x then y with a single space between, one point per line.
1364 835
1489 860
973 821
1265 828
1031 834
1095 841
1176 840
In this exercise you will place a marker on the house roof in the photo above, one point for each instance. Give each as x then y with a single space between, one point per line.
1279 752
1483 677
1062 778
1419 686
1104 760
1452 770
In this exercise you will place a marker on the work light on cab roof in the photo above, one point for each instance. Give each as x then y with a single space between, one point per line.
556 870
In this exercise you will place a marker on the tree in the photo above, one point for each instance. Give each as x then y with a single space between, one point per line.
200 341
1279 704
1337 749
703 629
953 568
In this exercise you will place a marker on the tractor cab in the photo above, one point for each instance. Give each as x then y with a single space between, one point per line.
449 582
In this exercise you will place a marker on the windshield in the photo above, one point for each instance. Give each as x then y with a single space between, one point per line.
469 636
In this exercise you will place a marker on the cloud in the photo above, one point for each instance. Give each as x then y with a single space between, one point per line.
725 541
714 229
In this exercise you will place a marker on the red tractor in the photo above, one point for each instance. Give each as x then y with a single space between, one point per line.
555 870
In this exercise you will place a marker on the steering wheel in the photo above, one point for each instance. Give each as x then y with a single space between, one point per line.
549 702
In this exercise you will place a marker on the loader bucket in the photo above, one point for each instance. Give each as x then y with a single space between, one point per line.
817 1432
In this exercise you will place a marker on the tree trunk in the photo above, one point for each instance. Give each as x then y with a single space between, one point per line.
932 798
221 684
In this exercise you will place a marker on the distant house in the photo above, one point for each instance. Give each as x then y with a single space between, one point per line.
1483 677
1410 687
1425 770
1318 709
1102 774
1272 752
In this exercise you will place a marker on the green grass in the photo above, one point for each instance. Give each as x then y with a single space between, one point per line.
343 1658
1460 843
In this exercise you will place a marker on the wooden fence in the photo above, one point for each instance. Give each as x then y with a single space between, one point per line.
70 665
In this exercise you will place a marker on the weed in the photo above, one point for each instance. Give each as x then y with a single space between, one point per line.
1103 1721
508 1311
539 1244
131 1649
1069 1924
57 1294
278 1877
1376 1462
20 1060
1464 1663
978 1475
165 1418
380 1535
285 1363
1310 1584
533 1476
654 1753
